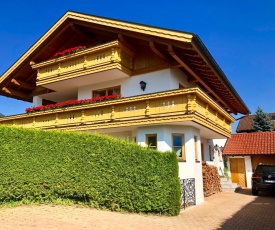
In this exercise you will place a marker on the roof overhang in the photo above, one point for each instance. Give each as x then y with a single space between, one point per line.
185 49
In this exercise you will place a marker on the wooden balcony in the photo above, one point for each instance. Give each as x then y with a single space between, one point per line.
112 55
170 107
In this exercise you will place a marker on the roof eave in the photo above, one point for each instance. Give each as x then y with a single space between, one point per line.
205 54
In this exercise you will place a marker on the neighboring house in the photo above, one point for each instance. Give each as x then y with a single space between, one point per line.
246 123
248 148
176 97
245 150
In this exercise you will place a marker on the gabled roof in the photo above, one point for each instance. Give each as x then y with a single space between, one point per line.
246 123
183 49
260 143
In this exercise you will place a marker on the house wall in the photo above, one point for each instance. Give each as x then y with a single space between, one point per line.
207 152
220 143
249 170
163 80
188 169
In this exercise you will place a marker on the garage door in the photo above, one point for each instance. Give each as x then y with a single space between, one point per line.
237 169
262 159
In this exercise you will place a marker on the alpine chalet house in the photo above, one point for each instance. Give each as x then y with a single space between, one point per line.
158 87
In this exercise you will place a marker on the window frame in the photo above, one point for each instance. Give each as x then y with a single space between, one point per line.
183 155
106 90
147 141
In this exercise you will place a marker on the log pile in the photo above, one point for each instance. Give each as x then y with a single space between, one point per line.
211 180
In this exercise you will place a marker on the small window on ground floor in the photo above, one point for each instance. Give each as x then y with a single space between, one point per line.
151 141
178 146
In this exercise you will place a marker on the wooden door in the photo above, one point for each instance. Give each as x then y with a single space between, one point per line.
262 159
237 169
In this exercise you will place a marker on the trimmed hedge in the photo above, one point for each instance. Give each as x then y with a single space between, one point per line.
104 172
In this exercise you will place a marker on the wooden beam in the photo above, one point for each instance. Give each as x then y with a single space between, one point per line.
16 93
177 65
45 47
145 37
192 79
156 51
23 84
41 90
41 50
195 75
124 41
77 31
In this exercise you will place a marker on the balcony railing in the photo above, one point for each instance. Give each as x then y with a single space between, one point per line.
112 55
159 108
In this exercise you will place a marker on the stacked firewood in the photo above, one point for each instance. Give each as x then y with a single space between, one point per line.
211 180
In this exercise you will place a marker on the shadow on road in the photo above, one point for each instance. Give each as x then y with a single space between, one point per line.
247 191
258 214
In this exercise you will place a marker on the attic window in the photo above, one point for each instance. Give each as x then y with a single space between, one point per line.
272 117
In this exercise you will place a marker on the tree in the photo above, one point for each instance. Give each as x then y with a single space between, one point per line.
262 122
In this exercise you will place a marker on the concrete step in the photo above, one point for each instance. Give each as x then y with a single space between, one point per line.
228 186
228 189
225 183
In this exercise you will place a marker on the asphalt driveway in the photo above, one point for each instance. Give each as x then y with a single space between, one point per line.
221 211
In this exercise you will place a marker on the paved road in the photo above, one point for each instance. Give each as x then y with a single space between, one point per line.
221 211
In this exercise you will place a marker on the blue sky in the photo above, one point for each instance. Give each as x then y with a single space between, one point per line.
240 35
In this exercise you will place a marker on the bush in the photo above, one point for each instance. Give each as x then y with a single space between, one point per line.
104 172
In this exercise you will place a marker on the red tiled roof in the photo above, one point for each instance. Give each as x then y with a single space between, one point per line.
259 143
245 123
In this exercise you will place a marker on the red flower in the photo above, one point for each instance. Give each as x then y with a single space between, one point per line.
72 102
69 51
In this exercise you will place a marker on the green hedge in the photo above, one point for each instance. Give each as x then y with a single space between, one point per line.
104 172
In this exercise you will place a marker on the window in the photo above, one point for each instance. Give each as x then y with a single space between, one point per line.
106 92
197 159
178 146
151 141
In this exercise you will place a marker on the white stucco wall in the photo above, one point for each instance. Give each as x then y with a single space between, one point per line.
159 130
206 152
36 101
219 142
249 170
162 80
179 77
